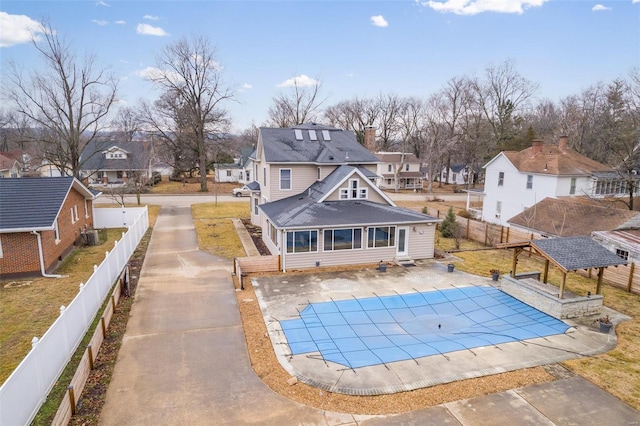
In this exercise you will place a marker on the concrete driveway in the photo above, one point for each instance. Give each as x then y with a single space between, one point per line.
184 361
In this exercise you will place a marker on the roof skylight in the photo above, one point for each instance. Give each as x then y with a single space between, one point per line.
326 135
312 135
298 133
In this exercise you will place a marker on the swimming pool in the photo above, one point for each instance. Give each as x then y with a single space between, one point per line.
361 332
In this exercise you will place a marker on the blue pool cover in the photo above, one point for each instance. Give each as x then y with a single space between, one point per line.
376 330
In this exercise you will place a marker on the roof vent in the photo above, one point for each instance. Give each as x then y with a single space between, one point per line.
331 157
312 135
326 135
298 133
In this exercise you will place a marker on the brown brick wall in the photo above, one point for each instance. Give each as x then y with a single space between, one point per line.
20 251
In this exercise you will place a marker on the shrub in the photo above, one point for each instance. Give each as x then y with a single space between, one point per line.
449 227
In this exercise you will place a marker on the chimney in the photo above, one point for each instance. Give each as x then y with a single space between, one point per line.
536 147
370 138
562 143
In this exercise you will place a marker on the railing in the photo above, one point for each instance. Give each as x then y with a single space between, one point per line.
25 390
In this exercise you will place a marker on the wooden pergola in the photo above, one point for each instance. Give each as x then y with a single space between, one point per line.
567 254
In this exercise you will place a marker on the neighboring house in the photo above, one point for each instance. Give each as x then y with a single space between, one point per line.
568 217
318 204
517 180
458 174
41 219
247 155
116 163
9 167
399 171
229 172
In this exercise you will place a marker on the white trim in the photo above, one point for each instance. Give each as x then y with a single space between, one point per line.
377 190
405 252
280 180
1 255
56 231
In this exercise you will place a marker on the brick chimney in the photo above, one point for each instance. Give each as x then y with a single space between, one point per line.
536 147
370 138
562 143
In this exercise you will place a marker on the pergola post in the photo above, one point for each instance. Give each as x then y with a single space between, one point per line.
564 280
546 271
599 285
514 261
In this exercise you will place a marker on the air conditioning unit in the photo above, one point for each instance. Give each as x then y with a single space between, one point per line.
91 237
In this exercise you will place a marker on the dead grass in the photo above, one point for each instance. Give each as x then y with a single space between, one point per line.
216 233
192 186
29 306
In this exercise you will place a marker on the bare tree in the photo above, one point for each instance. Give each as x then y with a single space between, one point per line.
300 106
354 115
388 121
67 100
501 97
127 123
189 72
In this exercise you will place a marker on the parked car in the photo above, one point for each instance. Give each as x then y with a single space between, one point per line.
243 191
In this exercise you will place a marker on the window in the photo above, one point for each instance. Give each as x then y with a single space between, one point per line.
86 209
319 173
354 191
572 188
228 173
264 176
529 181
454 178
73 218
285 179
342 239
75 212
406 167
389 168
500 178
302 241
255 206
383 236
56 231
623 254
100 175
498 208
119 174
388 181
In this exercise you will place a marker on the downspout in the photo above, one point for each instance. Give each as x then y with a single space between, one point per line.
41 256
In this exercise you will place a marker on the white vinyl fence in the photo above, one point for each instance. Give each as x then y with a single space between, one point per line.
26 389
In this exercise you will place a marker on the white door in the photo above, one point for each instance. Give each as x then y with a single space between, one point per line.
402 243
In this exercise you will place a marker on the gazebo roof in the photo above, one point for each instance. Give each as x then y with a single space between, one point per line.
573 253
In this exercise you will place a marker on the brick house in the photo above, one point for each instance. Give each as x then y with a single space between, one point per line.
41 220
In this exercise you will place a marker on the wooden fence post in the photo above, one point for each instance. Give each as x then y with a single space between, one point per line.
468 225
104 327
631 272
72 400
90 352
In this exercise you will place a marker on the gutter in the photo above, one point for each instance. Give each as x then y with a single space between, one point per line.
41 256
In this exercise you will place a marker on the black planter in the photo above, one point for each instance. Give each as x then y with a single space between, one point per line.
605 327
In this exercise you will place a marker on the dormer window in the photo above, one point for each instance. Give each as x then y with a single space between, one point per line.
354 191
115 154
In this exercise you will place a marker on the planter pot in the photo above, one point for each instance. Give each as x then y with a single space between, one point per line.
450 267
382 268
495 276
605 327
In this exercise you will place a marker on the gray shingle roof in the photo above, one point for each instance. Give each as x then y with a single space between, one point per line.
305 210
281 146
573 253
33 203
92 157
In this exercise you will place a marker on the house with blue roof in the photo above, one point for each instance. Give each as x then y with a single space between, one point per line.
41 220
316 199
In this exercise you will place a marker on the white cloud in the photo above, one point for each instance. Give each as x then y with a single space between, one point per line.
146 29
301 81
100 22
120 22
599 8
473 7
150 17
18 29
635 1
379 21
103 3
350 75
150 73
247 86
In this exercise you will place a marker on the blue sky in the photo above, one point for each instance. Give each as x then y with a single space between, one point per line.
354 48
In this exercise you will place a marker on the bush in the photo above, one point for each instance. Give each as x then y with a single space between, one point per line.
449 228
465 214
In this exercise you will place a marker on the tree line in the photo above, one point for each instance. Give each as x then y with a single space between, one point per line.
71 101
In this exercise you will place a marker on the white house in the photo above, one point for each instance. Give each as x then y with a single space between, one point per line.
457 174
399 171
515 180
